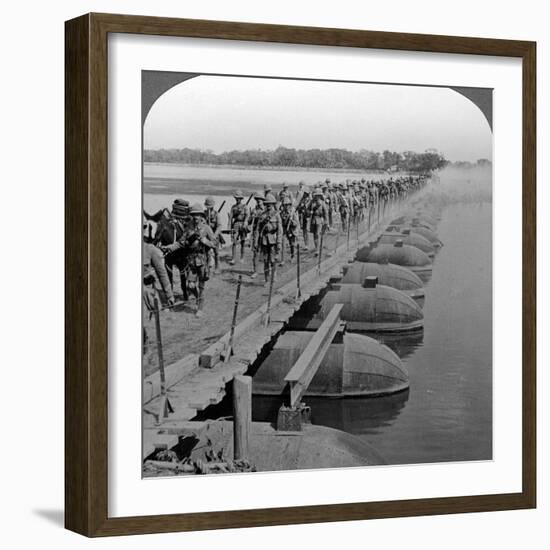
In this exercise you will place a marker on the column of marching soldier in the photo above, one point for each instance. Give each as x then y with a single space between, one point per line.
188 237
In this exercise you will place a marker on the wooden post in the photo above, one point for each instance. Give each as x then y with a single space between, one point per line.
282 257
298 275
229 350
165 407
159 347
337 236
268 310
242 416
320 249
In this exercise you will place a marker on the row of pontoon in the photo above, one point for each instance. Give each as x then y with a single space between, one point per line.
382 292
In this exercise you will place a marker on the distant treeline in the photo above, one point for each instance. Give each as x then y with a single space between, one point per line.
306 158
480 163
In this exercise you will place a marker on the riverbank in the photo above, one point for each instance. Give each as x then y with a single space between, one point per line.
171 178
271 168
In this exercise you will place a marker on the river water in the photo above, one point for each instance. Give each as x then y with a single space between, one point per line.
446 415
160 174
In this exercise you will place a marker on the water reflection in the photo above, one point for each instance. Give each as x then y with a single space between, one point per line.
403 344
425 276
367 415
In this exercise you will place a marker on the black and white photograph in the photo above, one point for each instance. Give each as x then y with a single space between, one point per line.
291 284
317 274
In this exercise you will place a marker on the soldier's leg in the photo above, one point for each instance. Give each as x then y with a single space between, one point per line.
217 259
170 266
233 248
211 258
200 300
190 277
254 262
305 233
315 231
200 295
169 270
183 275
243 237
184 285
272 263
292 244
203 274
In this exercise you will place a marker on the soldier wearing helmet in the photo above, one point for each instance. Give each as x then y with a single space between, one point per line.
197 241
269 236
300 192
213 221
302 210
363 197
253 219
373 194
327 197
355 203
392 188
180 212
238 225
384 191
291 224
268 194
343 206
284 193
318 218
179 216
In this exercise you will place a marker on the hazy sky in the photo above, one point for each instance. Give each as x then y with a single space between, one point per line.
224 113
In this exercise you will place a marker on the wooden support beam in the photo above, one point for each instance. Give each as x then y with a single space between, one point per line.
303 371
242 416
229 349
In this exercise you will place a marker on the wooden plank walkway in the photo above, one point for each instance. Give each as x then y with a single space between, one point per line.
196 382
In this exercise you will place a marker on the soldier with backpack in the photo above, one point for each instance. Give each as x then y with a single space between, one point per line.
238 225
213 221
269 236
302 210
197 241
253 220
291 224
318 217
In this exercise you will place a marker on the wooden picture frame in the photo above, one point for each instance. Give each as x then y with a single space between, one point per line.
86 283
